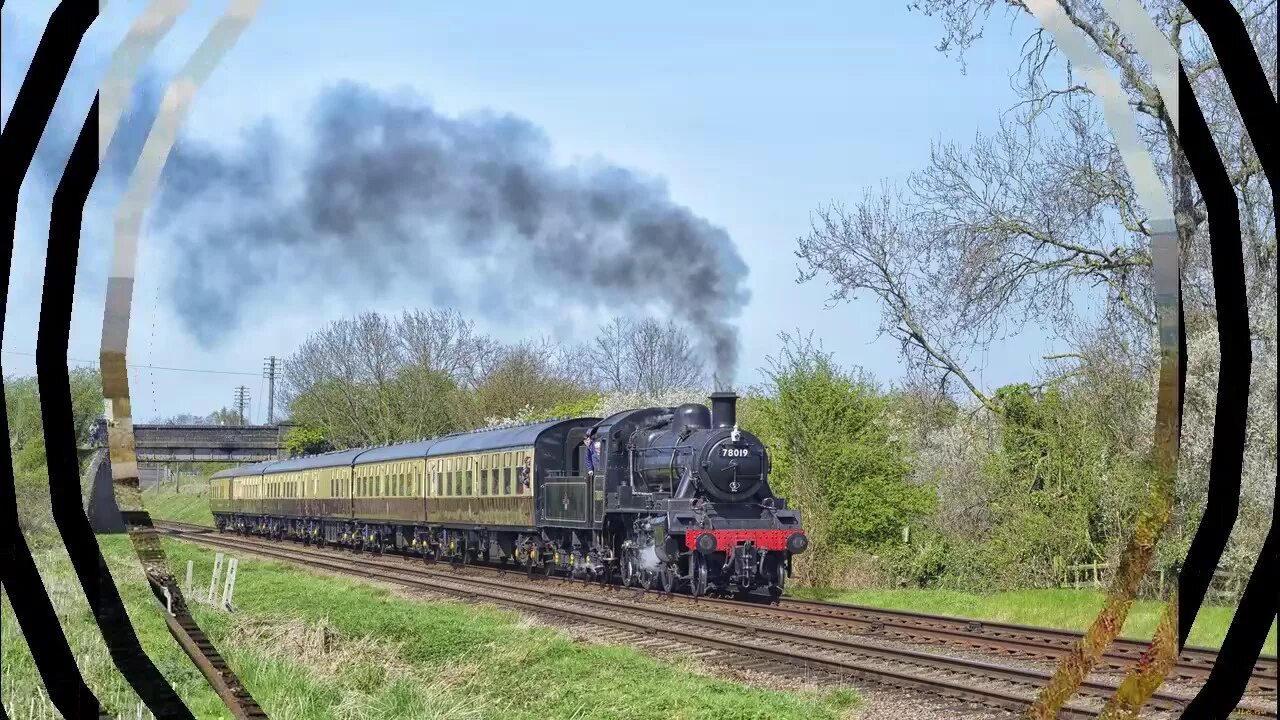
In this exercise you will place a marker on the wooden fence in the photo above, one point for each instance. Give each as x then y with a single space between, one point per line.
1226 586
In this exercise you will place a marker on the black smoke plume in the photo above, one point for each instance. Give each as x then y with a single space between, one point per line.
386 191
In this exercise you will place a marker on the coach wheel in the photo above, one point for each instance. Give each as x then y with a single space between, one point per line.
698 576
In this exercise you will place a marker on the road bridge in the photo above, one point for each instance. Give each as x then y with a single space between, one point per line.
173 444
208 443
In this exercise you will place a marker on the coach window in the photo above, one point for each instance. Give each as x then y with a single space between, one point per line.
484 475
506 473
468 488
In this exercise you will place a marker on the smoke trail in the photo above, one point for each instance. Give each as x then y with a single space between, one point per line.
390 190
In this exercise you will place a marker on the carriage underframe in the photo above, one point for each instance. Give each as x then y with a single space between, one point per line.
744 568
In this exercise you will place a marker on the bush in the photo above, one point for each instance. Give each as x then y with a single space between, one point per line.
835 457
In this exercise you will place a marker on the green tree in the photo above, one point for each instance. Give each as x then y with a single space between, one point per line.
528 381
1065 488
306 440
582 407
835 456
26 440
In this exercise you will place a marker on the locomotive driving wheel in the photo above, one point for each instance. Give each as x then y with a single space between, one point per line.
698 575
668 575
777 578
628 571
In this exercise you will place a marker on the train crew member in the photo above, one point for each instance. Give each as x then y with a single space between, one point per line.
592 449
522 475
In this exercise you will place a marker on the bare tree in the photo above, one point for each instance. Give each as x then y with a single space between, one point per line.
645 356
532 376
1021 226
443 340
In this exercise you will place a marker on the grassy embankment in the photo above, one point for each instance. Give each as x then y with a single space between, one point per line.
1065 608
1059 608
312 646
191 505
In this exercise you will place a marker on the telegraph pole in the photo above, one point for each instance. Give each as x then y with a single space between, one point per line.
242 401
269 372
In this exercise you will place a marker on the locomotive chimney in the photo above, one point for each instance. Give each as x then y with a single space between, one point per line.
724 409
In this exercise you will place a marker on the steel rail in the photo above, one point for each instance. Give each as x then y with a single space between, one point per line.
1004 639
389 570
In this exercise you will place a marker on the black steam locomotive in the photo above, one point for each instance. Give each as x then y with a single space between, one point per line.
676 497
688 501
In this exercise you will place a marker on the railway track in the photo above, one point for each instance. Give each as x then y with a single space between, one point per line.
761 646
1193 664
1002 639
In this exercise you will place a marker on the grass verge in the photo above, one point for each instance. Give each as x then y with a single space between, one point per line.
189 506
315 646
1059 608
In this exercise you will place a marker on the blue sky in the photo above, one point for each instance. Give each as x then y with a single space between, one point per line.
752 113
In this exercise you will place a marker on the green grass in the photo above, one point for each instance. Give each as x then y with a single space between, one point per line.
314 646
1066 609
22 689
189 506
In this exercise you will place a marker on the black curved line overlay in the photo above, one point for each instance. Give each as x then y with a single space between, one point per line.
26 124
1243 643
1248 83
1226 461
1257 609
1182 356
60 433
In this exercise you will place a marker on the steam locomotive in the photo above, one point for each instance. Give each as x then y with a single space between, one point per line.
674 497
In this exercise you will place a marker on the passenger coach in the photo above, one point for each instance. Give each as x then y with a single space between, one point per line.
454 496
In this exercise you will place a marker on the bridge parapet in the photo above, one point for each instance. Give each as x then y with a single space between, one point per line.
208 443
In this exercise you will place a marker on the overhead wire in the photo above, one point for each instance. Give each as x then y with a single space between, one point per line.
142 367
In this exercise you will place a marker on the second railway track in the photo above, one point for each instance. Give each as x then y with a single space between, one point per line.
810 651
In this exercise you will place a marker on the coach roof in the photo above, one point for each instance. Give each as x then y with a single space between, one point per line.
415 450
338 458
243 470
496 439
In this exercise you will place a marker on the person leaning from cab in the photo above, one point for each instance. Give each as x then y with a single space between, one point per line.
592 449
